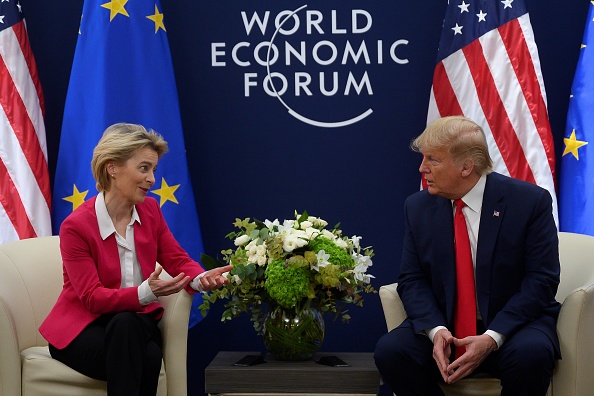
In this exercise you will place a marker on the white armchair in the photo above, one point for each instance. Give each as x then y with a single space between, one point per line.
30 282
574 373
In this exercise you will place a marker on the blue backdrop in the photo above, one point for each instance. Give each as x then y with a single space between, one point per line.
249 157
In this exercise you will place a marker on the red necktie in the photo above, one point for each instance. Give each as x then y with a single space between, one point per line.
465 316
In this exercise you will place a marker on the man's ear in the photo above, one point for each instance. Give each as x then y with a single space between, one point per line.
467 167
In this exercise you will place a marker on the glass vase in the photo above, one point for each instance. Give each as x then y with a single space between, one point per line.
293 334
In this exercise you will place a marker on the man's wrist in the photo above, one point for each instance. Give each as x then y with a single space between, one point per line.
432 331
497 337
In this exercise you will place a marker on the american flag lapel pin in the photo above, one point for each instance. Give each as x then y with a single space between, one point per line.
495 213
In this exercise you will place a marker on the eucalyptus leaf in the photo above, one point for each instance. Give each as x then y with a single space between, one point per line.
254 234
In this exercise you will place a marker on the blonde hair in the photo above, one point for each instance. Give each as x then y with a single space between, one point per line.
118 144
463 139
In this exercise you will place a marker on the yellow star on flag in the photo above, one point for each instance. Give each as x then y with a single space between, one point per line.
158 19
77 197
572 145
116 7
166 192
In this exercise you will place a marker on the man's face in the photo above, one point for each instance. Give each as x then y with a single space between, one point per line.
443 175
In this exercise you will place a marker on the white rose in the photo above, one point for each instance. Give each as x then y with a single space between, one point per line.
241 240
299 234
292 242
328 234
317 222
341 243
312 233
305 225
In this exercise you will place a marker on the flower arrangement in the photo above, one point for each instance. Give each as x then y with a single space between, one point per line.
294 264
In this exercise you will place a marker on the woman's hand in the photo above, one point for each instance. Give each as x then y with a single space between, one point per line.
165 287
215 278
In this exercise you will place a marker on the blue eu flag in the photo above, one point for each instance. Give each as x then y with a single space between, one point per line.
577 166
122 72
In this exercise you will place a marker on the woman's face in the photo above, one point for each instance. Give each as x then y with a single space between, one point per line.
132 180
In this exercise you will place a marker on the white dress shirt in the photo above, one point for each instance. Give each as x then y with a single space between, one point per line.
131 272
472 213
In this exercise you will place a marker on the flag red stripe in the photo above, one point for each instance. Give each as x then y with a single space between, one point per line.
24 130
503 132
517 49
21 34
445 98
13 205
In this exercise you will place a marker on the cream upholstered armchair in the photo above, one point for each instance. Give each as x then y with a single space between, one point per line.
574 373
30 282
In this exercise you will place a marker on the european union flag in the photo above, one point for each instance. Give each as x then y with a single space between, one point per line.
577 166
122 72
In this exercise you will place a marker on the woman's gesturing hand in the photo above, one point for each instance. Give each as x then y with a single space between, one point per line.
215 278
165 287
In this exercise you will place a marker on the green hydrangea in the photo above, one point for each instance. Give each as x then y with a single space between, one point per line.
285 284
280 264
338 256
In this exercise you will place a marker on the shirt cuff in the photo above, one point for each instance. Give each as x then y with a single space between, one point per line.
498 337
195 284
431 332
145 294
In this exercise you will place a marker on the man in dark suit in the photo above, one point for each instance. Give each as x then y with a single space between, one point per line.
515 258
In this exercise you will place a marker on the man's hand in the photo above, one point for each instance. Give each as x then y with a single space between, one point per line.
477 350
441 351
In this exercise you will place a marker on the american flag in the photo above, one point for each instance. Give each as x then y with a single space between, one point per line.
25 200
488 69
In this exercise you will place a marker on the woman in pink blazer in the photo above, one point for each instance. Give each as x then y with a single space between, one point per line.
104 324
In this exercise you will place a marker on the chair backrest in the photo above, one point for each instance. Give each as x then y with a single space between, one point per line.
576 253
30 282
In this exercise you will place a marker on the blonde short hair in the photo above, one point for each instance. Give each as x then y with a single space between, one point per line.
118 144
463 139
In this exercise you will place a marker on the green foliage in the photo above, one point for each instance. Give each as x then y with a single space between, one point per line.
292 264
286 284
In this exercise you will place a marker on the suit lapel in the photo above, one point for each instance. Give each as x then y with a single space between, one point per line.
492 213
443 248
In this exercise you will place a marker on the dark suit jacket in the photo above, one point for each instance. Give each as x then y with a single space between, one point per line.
92 271
517 262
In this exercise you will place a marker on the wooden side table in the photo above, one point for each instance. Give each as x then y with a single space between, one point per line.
282 377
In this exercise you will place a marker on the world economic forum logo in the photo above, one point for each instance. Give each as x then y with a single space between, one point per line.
311 54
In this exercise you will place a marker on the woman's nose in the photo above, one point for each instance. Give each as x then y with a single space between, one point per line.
151 178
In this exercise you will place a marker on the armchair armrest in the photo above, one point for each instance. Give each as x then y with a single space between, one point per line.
392 305
174 330
573 374
10 361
